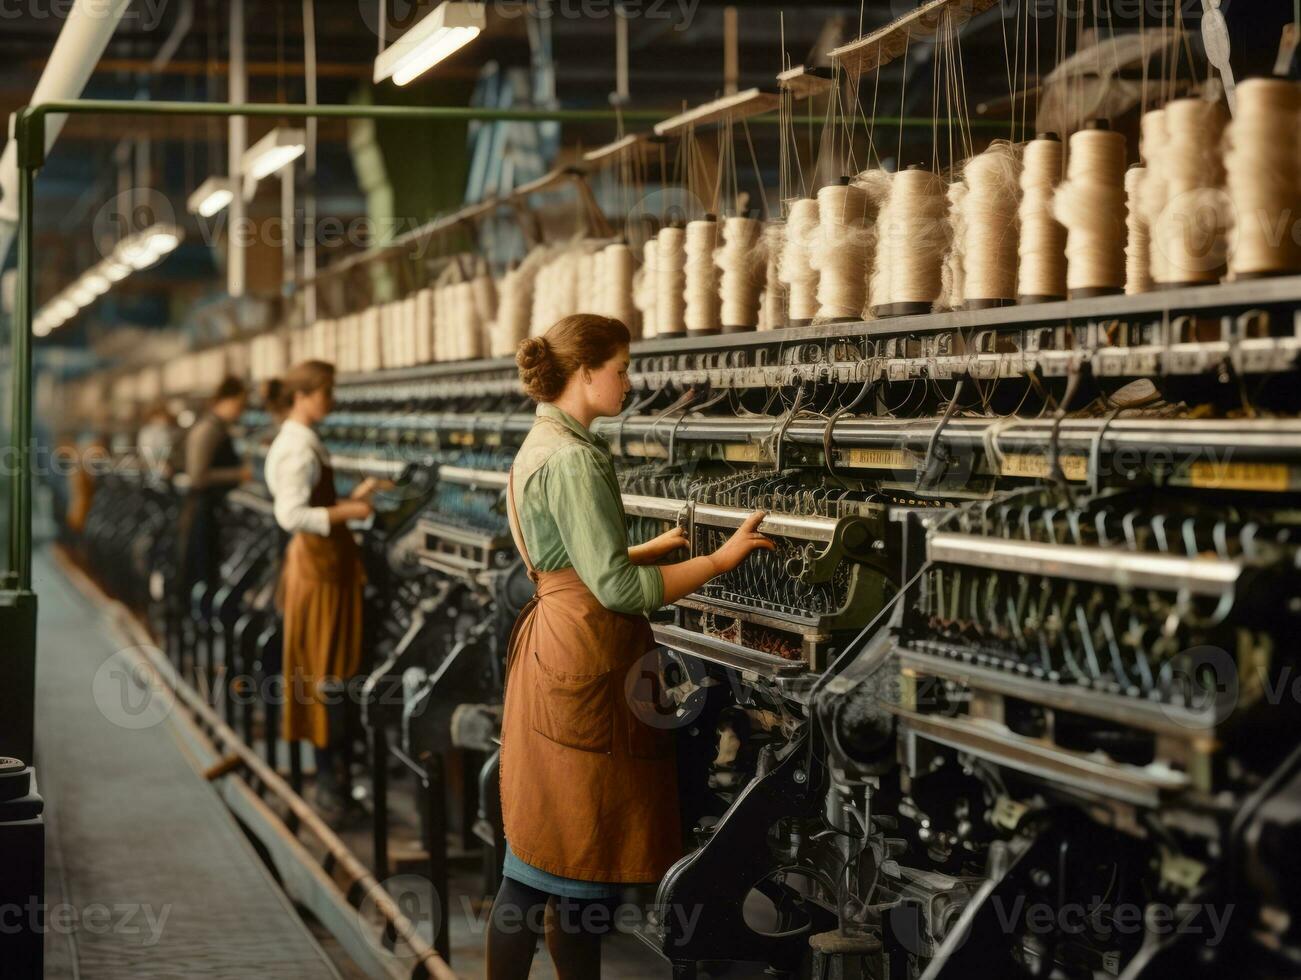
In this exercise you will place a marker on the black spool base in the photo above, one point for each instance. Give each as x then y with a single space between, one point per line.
802 322
1161 286
1031 300
1095 291
901 309
739 329
670 334
1268 275
987 304
712 332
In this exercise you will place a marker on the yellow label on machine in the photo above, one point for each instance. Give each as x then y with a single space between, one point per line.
745 453
877 459
648 449
461 439
1038 466
1211 475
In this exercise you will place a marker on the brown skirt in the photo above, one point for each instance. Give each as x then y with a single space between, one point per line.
321 597
588 790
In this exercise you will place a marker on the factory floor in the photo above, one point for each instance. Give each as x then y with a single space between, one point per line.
147 873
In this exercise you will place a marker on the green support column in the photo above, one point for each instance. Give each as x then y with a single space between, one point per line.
17 601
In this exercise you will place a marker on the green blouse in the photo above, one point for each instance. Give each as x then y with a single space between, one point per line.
571 513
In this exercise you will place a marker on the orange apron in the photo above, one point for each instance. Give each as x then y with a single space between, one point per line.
588 790
321 586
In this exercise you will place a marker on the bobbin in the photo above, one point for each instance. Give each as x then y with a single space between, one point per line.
1047 136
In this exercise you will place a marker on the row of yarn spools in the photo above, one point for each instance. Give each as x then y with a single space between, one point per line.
1032 222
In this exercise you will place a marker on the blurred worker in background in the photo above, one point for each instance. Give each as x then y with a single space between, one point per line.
154 440
212 469
321 585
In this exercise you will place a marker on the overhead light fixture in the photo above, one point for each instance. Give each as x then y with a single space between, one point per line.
445 29
80 295
114 270
211 196
277 148
138 251
145 248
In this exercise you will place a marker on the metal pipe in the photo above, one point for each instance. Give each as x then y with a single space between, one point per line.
465 113
20 352
237 140
82 40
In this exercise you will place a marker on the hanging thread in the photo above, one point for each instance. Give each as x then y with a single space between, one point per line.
1091 205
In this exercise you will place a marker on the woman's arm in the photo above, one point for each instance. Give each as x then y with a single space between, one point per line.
686 577
657 547
590 520
296 472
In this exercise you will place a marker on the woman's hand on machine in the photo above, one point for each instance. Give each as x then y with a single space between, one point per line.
351 510
658 546
370 486
742 542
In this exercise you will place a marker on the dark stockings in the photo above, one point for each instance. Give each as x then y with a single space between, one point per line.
573 928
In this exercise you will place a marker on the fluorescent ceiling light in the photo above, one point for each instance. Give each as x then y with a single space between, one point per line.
273 151
163 241
445 29
138 251
211 196
143 249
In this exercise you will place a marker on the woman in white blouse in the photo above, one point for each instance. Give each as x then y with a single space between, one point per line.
320 584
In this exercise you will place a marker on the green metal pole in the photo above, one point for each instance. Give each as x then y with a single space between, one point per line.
20 524
467 113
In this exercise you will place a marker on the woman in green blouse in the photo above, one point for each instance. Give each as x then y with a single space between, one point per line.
589 795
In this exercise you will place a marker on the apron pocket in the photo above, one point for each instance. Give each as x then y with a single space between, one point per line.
572 709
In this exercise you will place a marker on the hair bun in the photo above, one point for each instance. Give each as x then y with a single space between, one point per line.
533 351
540 372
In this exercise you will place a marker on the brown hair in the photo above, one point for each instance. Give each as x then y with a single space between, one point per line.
583 340
230 387
305 378
274 396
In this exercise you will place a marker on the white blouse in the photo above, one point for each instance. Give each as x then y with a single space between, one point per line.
293 466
